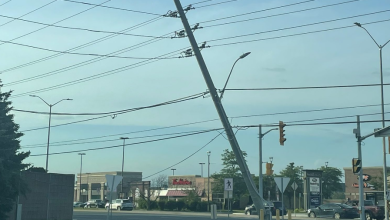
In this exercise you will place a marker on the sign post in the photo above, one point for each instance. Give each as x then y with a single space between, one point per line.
294 186
282 183
228 185
112 182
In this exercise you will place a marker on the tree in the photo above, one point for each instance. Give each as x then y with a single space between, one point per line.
31 168
230 170
154 190
331 177
11 157
294 173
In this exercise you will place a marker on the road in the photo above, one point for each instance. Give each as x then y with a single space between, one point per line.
159 215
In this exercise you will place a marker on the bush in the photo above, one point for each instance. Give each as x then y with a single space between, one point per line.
161 205
142 204
180 204
153 205
202 206
170 205
192 205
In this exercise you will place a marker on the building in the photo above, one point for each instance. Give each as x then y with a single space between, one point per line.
94 185
371 175
49 196
180 186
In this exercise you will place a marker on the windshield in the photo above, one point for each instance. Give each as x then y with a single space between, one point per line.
368 203
126 201
278 204
345 206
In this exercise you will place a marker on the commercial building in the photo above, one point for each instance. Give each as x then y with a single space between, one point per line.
94 185
372 177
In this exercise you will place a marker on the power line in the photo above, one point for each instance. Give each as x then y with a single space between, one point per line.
100 141
298 26
83 45
184 158
55 23
188 98
308 87
28 12
81 29
286 13
216 3
95 76
122 9
299 34
83 54
136 143
268 9
5 3
211 120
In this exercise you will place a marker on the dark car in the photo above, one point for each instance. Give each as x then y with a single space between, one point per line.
372 211
273 206
78 204
333 210
95 203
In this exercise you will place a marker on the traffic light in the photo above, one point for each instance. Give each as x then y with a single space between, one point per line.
282 139
356 165
269 170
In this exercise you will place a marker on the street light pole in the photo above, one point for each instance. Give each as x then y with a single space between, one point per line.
81 170
201 169
261 193
173 171
241 57
383 118
208 180
48 133
123 160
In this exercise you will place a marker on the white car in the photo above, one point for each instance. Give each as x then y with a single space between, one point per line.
120 204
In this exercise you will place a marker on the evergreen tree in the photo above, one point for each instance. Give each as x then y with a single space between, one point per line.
331 177
10 157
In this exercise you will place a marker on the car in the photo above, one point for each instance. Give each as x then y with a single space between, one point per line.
94 203
333 210
78 204
278 205
372 211
120 204
251 209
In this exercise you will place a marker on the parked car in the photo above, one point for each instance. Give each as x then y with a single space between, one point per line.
372 211
251 209
78 204
278 205
120 204
95 203
333 210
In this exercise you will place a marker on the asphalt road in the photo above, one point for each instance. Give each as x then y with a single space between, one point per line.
160 215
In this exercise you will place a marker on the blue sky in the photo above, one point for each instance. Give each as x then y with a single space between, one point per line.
340 57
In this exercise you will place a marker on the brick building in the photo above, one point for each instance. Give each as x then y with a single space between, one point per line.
370 174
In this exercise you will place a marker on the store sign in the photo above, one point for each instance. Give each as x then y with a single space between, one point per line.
366 177
181 182
365 185
315 201
314 184
313 174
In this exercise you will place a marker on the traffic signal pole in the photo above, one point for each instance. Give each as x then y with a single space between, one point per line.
260 163
361 193
257 200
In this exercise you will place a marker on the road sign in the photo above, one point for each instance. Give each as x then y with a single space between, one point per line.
228 183
282 182
227 195
294 186
388 195
113 181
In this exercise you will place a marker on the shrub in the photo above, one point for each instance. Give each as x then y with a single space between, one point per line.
161 205
153 205
192 205
180 204
142 204
202 206
170 205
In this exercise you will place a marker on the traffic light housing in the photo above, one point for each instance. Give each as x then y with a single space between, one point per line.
269 170
282 139
356 165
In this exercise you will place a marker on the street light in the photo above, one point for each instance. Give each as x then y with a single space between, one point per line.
123 159
48 134
201 169
81 170
173 171
208 180
261 159
326 164
271 159
383 115
241 57
88 186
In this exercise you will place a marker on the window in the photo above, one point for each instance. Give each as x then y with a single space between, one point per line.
118 201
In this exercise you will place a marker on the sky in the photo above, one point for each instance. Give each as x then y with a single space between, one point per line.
289 48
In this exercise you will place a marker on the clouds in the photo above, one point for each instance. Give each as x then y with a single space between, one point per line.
275 69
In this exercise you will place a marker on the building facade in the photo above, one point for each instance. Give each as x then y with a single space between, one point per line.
94 185
371 176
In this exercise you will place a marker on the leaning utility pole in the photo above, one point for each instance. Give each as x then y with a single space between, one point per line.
257 200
